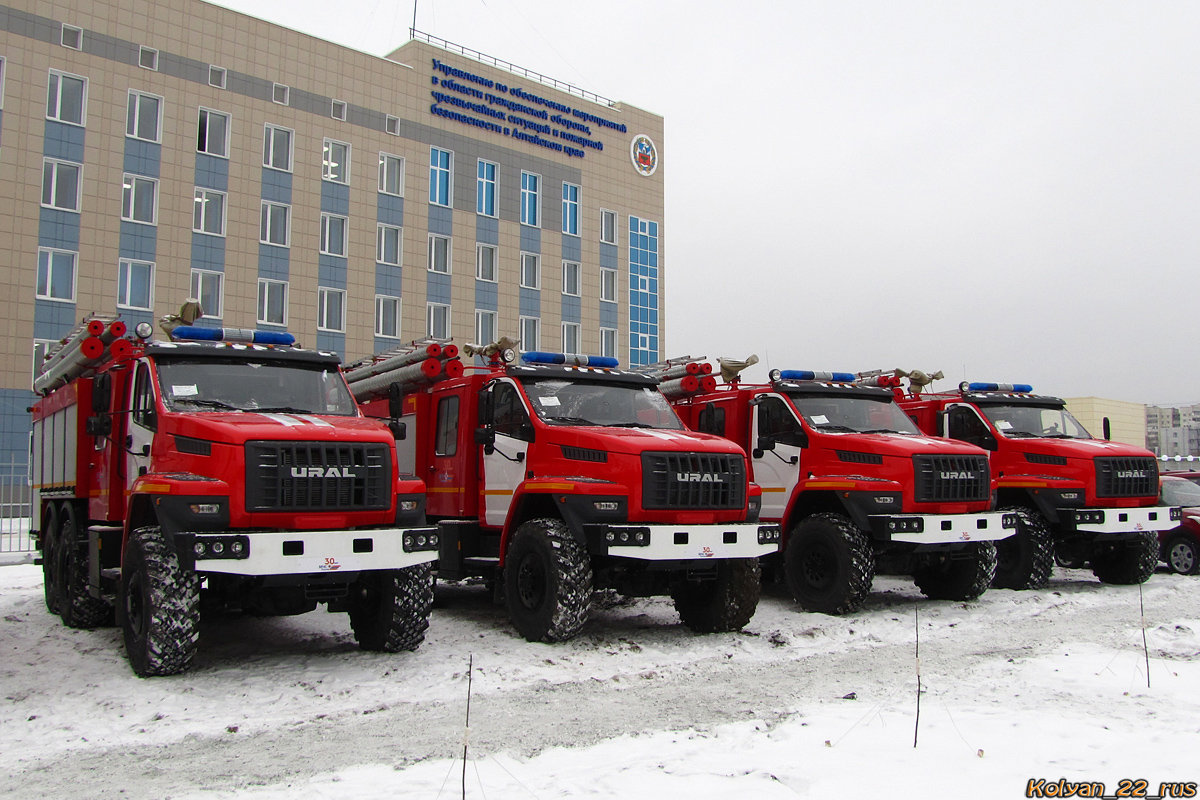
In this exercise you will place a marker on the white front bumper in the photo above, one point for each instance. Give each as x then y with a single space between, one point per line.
946 528
305 552
692 542
1125 520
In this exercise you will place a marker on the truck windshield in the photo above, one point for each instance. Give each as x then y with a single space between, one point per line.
1045 422
827 412
212 384
621 405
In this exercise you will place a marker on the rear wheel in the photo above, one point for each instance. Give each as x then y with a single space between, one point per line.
1025 559
547 581
725 603
389 609
49 537
158 606
76 605
1182 555
961 575
1128 561
829 564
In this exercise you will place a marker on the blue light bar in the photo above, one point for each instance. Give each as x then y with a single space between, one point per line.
536 357
809 375
197 334
1024 388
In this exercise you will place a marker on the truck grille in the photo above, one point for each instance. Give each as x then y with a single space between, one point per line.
951 479
693 480
1126 477
317 476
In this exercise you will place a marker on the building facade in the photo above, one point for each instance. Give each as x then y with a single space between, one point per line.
155 152
1173 430
1126 421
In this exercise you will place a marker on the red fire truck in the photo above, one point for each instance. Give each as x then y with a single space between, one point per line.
566 474
856 487
200 472
1077 498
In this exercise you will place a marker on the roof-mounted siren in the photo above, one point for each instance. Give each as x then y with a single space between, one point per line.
192 333
1015 388
569 359
810 375
918 380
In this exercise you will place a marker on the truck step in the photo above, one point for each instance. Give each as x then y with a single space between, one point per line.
481 562
111 574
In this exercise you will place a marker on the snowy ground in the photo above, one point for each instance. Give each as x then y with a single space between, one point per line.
1018 686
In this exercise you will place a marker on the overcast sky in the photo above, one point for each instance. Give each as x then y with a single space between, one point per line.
1005 191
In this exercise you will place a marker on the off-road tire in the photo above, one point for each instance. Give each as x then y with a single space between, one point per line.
724 604
547 581
49 537
389 609
829 564
158 606
961 578
76 605
1182 555
1130 562
1025 560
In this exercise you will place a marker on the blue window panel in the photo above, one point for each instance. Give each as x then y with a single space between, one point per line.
142 158
653 344
487 296
331 341
133 318
58 229
531 239
391 210
441 221
608 256
383 345
487 230
571 309
208 252
331 271
335 198
653 232
387 279
572 249
138 241
437 288
213 172
52 320
273 262
485 188
439 176
14 431
652 316
530 304
277 186
63 141
608 315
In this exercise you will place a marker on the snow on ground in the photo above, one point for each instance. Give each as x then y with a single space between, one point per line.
1048 684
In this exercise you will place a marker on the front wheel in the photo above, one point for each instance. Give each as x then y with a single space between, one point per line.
963 575
1182 555
547 581
829 564
1025 559
389 609
158 606
1126 562
725 603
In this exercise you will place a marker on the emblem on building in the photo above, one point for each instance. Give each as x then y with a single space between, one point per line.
644 155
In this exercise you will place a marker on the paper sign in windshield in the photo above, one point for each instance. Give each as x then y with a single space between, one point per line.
820 419
1003 424
185 391
549 401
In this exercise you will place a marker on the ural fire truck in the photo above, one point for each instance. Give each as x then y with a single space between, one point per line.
856 487
1082 499
175 476
565 474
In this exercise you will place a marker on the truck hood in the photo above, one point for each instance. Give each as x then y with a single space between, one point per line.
900 445
237 428
633 441
1078 448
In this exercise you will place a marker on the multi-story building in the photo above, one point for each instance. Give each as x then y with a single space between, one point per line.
1126 421
1173 430
154 151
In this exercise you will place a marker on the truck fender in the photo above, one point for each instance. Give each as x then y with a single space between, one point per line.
532 505
1027 497
806 503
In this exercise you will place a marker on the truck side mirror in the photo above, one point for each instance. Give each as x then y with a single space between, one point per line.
764 443
486 436
399 429
989 442
485 407
395 402
99 425
101 393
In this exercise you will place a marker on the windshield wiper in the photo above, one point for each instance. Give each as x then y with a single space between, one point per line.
880 430
572 420
1021 434
191 401
280 410
1060 436
628 425
830 426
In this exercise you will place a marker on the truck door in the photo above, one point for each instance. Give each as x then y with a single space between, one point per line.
777 471
962 422
143 421
504 466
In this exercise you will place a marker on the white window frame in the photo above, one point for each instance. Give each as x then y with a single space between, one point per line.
481 182
430 312
217 76
384 158
123 265
605 275
570 209
479 248
337 109
280 94
382 232
326 164
324 295
143 51
228 130
382 300
604 334
537 271
269 146
75 30
536 322
54 184
55 113
196 282
201 197
40 346
264 231
578 331
3 62
266 284
449 199
481 315
536 194
129 193
391 125
577 268
135 99
325 243
50 252
605 213
431 266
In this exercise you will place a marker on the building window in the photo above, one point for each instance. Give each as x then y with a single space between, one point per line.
335 161
143 118
485 327
485 263
216 76
40 348
72 37
208 215
61 184
531 273
570 337
391 125
608 285
570 209
275 224
437 320
66 98
531 205
280 94
277 147
337 110
148 58
209 288
529 330
135 285
571 280
391 174
388 245
139 199
439 253
272 302
608 226
331 310
485 189
56 274
213 136
333 234
608 342
387 316
441 165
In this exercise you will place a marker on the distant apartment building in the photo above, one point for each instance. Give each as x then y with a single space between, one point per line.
1173 430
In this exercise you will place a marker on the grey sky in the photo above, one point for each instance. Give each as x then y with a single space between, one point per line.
1005 191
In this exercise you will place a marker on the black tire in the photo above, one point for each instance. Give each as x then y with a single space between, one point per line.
76 605
964 577
49 537
1126 562
158 606
1025 559
724 604
547 581
829 564
389 609
1182 554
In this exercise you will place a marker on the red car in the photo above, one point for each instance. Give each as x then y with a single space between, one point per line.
1181 546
